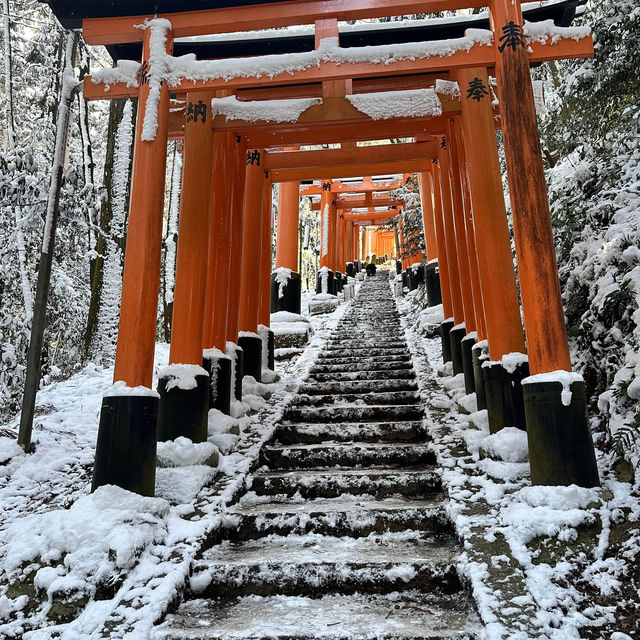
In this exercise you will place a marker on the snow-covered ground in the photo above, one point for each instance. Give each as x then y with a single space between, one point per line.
543 562
73 563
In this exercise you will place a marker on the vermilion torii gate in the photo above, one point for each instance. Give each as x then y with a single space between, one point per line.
222 275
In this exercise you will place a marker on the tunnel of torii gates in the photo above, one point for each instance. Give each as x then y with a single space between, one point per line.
243 121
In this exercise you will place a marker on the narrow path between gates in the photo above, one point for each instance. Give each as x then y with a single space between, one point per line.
343 531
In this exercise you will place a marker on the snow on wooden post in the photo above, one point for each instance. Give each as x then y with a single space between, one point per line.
497 275
137 330
32 380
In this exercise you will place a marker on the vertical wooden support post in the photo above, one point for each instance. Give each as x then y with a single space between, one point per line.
539 284
469 229
560 446
287 297
424 187
460 229
183 411
126 447
215 359
215 327
288 214
443 265
264 306
452 330
237 230
457 308
253 215
325 225
497 275
238 171
191 264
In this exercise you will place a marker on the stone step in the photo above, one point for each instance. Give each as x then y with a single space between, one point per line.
387 352
331 483
301 433
363 386
313 564
369 341
308 456
328 358
346 376
389 365
410 615
376 413
358 399
346 515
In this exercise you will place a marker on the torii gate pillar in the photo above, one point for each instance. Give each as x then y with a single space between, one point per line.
264 309
184 408
248 338
126 447
560 445
325 277
432 272
286 283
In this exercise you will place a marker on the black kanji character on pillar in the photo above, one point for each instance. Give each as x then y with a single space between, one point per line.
144 73
326 186
443 143
513 37
195 111
253 157
477 90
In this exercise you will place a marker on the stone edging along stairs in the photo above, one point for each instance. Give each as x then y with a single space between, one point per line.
343 532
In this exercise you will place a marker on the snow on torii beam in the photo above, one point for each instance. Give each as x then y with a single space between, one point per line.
480 54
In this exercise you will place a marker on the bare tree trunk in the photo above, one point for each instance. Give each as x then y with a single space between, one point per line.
69 86
8 89
171 242
116 108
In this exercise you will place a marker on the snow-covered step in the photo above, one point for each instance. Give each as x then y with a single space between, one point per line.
379 413
392 431
408 614
340 454
356 400
331 483
314 564
346 357
346 515
345 376
387 365
363 386
370 341
387 352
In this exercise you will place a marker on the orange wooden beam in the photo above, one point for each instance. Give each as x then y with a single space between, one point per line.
357 187
378 216
358 155
349 170
357 203
251 17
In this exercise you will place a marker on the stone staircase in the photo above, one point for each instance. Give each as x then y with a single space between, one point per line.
343 532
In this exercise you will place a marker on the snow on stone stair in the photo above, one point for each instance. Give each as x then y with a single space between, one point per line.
342 532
